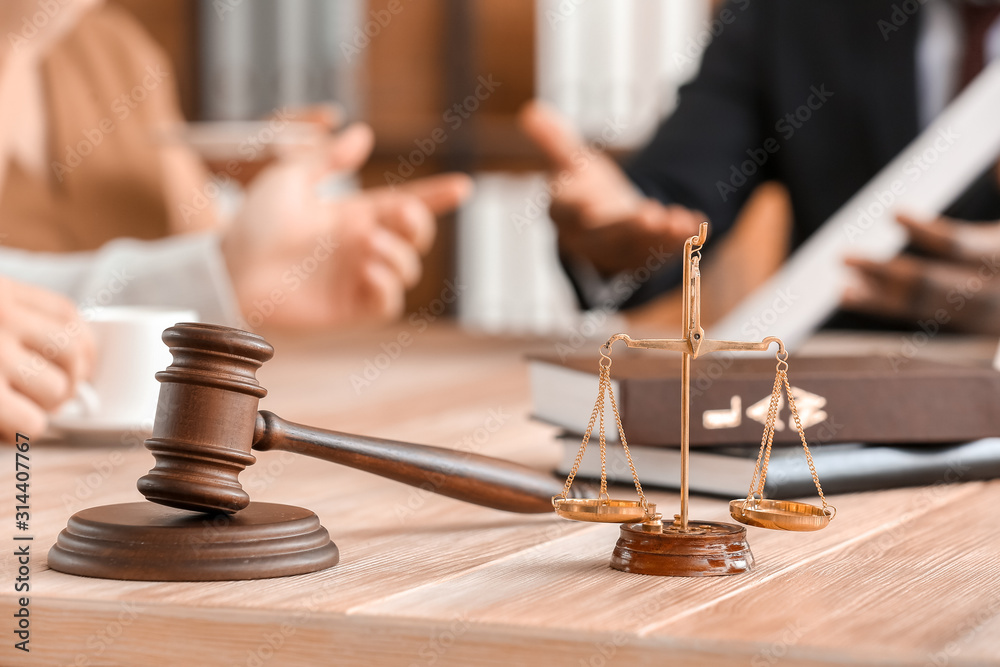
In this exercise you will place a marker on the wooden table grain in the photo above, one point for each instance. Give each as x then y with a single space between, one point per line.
901 577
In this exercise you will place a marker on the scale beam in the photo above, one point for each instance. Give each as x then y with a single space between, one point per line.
709 346
684 345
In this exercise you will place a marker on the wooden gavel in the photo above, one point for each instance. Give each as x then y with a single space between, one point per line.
207 423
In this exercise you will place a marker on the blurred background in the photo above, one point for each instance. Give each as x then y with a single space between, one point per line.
441 82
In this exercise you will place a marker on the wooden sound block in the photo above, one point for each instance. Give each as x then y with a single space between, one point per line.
149 542
706 548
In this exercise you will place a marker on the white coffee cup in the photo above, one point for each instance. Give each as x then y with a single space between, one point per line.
123 391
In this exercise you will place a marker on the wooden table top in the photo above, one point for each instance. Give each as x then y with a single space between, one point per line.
905 576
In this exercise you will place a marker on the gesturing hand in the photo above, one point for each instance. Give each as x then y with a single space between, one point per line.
957 285
44 351
299 260
598 212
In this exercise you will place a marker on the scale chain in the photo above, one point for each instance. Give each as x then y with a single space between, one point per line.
598 408
802 436
767 439
628 455
597 417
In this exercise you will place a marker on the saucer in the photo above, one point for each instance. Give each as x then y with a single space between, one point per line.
99 431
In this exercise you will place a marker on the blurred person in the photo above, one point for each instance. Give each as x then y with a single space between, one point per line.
341 263
89 120
109 229
83 91
870 74
327 263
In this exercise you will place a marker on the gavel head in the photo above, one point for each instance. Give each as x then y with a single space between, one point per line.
205 418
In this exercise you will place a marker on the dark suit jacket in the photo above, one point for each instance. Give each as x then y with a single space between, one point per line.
849 82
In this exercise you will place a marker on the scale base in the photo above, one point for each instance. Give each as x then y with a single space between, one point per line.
705 549
148 542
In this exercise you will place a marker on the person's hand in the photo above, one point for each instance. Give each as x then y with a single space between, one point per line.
45 349
298 260
957 286
599 214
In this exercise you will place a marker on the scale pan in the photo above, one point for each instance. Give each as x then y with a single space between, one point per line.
602 510
780 514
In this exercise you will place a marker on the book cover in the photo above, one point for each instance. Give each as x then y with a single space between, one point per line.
840 399
842 468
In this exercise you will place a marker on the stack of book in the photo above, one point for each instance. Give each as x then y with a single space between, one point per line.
871 422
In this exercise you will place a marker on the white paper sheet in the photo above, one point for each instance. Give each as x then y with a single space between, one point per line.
923 180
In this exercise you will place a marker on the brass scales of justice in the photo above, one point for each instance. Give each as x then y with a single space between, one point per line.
686 547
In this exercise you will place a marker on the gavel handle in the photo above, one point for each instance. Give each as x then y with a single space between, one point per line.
477 479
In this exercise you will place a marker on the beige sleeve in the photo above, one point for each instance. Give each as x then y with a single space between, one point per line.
184 174
183 272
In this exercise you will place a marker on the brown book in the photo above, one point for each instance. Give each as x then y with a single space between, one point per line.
839 399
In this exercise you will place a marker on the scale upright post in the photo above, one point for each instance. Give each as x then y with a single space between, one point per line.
691 327
686 548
